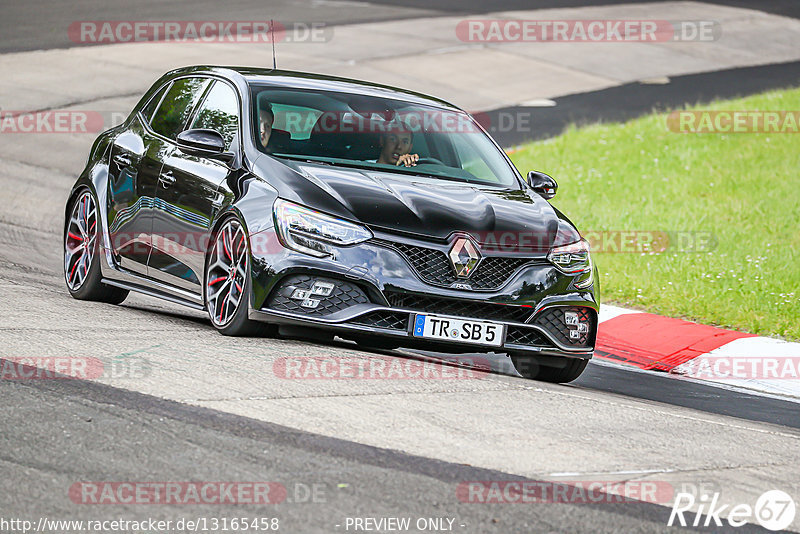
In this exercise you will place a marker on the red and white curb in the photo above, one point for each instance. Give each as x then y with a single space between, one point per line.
702 352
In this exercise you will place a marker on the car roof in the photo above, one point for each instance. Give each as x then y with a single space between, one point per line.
307 80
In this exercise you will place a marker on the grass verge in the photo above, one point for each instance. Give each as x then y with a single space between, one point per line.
741 191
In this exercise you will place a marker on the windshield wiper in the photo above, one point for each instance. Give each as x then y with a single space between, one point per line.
298 157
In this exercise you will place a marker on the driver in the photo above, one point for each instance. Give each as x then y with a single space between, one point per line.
396 147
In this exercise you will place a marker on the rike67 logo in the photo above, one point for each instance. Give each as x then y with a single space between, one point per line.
774 510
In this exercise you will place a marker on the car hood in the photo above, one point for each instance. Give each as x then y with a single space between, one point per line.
432 207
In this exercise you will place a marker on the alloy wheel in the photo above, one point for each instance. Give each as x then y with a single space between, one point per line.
79 242
227 272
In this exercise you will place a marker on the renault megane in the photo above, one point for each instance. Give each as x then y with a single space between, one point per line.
388 217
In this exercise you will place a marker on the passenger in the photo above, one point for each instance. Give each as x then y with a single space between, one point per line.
265 120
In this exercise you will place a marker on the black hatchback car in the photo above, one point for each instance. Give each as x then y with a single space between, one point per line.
384 216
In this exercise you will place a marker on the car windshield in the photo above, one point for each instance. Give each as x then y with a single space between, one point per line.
377 133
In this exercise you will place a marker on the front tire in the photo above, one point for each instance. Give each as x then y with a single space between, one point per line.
532 367
226 286
81 254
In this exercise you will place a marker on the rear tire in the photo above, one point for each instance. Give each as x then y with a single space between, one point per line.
82 254
531 367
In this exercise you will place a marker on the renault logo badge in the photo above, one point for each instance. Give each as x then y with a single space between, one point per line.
464 257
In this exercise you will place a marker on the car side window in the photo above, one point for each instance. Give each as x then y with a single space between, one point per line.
177 106
150 108
297 120
220 111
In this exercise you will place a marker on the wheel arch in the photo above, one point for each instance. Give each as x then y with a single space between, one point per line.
253 209
252 206
94 175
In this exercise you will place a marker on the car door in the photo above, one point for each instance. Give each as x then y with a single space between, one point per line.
133 174
135 168
188 195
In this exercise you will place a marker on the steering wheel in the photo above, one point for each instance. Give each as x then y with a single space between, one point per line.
431 160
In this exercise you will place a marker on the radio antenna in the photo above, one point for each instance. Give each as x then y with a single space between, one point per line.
272 38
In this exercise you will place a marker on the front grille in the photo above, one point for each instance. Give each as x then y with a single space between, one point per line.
433 266
384 319
493 272
552 320
475 309
343 296
526 336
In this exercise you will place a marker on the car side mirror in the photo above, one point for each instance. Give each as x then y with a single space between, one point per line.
542 184
204 143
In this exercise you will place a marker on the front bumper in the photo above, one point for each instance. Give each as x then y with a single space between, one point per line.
378 291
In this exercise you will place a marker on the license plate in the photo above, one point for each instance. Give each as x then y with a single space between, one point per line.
458 330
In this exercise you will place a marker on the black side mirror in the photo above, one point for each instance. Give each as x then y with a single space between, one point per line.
542 184
204 143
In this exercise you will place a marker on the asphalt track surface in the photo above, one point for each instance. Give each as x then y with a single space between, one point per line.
54 433
131 434
42 24
178 423
788 8
626 102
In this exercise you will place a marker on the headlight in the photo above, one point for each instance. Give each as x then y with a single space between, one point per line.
573 258
309 231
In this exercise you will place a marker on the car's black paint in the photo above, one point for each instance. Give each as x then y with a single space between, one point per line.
201 142
422 206
149 190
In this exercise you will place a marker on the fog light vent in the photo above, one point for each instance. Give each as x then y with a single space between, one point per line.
571 325
312 295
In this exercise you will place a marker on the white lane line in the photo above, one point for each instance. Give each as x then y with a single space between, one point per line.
539 103
603 473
